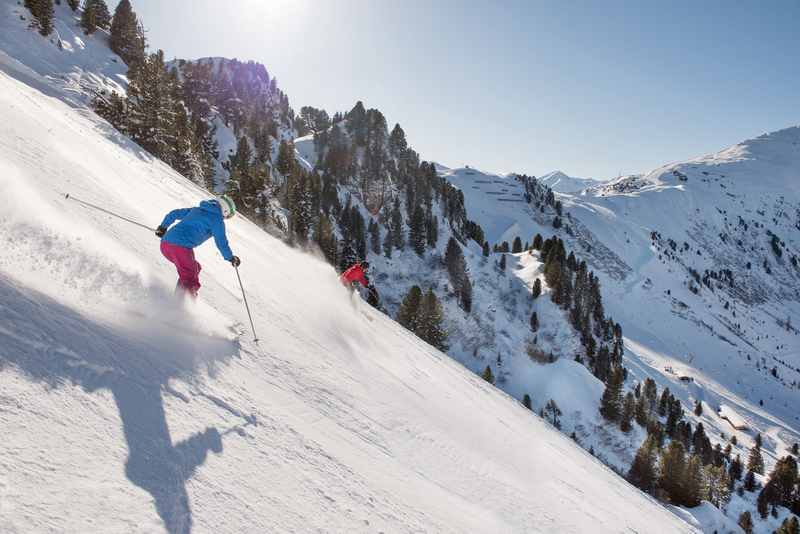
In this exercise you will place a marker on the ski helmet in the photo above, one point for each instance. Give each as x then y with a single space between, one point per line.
228 207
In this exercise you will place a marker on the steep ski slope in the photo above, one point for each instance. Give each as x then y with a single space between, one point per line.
123 412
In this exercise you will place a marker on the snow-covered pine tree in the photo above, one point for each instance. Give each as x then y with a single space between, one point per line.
611 402
642 473
672 472
431 229
409 308
459 276
755 462
396 227
430 321
628 409
127 37
416 231
42 12
95 15
553 413
374 230
285 162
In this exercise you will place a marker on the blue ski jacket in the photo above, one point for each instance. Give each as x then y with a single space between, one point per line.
196 226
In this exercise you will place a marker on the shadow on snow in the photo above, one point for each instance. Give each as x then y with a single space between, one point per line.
54 344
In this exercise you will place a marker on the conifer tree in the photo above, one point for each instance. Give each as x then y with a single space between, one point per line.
42 12
432 230
398 239
95 15
641 413
502 263
526 401
388 244
755 462
536 290
783 480
762 503
486 250
717 485
553 413
416 231
758 440
534 322
285 162
430 321
672 472
488 375
459 276
74 4
750 481
611 402
628 409
735 469
642 473
698 408
746 522
409 308
663 402
374 237
693 483
517 246
790 525
537 241
127 38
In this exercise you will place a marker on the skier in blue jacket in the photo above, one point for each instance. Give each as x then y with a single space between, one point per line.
195 227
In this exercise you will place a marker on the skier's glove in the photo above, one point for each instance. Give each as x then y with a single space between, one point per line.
160 231
235 261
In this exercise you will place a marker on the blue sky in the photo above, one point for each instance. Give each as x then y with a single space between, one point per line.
592 88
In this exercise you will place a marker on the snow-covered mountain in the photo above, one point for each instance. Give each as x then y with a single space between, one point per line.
123 410
698 262
562 183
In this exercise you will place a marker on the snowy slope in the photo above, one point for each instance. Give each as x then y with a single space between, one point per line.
497 202
77 65
128 413
718 212
562 183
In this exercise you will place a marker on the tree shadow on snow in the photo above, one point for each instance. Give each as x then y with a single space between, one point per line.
56 345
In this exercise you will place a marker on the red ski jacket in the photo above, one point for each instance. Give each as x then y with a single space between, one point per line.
354 274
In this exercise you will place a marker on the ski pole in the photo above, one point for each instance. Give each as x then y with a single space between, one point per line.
252 327
98 208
